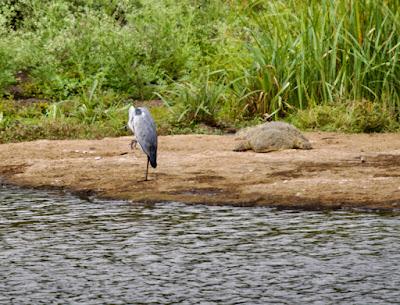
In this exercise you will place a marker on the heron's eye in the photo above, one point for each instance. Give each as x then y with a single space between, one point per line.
138 111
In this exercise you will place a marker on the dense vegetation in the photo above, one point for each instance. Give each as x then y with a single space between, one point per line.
70 68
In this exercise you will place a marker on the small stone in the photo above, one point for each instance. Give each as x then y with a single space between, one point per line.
97 158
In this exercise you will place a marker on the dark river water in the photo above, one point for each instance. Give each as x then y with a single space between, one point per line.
59 249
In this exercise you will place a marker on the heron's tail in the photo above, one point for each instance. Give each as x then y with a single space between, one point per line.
153 158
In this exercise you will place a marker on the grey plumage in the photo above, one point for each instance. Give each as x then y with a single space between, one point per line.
143 126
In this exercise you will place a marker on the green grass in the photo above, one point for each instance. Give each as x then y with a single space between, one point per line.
326 65
327 52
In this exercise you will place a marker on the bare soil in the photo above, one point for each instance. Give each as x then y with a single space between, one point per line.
356 171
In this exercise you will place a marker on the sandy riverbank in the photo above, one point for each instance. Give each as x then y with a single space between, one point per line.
342 171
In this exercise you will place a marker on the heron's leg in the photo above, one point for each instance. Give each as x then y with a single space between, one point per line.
133 144
147 168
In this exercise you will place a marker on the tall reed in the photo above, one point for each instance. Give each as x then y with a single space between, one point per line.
329 51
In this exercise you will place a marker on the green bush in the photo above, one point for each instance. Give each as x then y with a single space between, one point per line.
350 116
271 59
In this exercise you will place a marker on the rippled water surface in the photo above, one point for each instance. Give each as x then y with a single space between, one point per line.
58 249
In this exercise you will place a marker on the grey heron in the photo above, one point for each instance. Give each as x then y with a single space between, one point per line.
142 125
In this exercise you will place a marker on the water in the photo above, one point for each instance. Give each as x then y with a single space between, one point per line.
59 249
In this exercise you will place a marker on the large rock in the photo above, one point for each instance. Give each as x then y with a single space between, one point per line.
271 136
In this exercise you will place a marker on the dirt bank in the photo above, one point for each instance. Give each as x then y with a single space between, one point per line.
342 171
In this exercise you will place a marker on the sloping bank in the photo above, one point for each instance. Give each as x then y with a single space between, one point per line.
342 171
